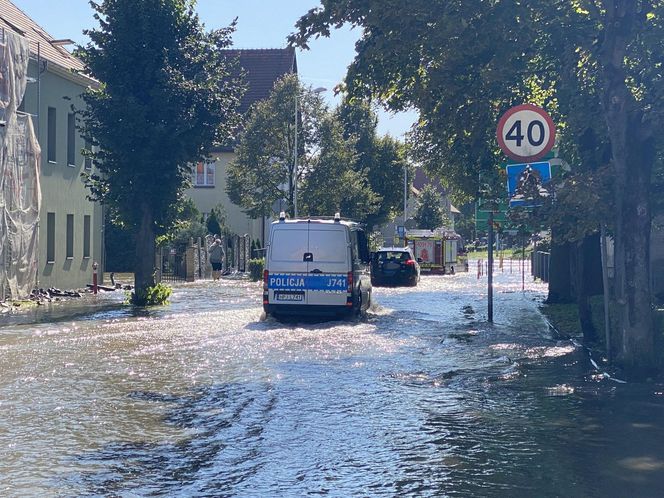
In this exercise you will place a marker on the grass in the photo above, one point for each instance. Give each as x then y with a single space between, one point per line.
565 317
506 253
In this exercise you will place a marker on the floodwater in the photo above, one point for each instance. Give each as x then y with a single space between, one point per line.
420 398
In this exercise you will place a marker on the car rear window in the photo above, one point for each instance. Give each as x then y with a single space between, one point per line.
288 245
392 256
328 246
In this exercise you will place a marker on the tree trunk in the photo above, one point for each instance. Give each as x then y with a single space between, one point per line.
583 258
633 156
560 283
145 252
592 260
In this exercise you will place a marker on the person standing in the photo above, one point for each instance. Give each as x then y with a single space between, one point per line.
216 252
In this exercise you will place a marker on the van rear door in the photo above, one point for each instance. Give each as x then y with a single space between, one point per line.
328 265
288 269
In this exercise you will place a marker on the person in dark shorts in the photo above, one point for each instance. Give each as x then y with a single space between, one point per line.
216 252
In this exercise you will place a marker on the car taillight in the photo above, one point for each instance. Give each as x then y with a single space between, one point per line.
410 262
350 281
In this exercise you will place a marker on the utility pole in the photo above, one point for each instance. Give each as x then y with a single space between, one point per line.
297 85
490 267
405 194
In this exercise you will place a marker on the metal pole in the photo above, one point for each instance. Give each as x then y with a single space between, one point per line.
295 156
405 195
490 268
605 283
38 90
523 263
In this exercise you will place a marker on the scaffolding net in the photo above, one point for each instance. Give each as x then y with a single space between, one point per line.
20 193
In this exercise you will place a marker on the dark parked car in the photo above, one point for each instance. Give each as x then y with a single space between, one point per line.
394 266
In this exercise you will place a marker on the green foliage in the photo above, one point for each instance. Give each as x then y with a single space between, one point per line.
151 296
334 185
263 171
375 241
342 164
120 249
594 65
216 220
185 227
256 269
430 212
381 159
167 96
256 248
455 63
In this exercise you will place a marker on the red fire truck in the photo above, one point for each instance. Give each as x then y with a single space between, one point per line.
438 251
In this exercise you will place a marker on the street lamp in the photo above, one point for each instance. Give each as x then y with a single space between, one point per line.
317 91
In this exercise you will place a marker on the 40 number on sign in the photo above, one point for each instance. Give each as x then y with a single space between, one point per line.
526 133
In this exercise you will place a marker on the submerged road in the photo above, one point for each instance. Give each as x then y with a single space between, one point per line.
420 398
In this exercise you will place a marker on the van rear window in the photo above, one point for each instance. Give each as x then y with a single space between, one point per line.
289 245
328 246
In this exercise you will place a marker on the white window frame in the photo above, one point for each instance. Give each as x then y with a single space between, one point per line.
208 166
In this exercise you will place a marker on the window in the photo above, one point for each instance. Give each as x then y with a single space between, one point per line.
86 236
50 237
70 236
71 139
329 246
204 174
88 160
289 245
50 145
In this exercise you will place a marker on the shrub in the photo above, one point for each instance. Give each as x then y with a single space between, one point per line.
256 269
151 296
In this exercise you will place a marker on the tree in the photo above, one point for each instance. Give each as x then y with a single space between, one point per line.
382 159
430 213
264 169
167 95
187 226
333 185
456 62
216 220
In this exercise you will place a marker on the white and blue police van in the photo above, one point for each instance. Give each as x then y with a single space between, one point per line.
316 266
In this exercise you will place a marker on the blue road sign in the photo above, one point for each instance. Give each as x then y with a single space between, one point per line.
520 174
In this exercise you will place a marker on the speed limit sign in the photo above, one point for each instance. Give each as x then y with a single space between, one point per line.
526 132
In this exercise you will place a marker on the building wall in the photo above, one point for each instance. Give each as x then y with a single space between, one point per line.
208 197
63 191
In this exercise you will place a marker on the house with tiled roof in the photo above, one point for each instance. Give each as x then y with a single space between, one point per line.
70 226
262 68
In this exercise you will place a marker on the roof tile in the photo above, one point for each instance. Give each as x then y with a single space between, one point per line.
13 18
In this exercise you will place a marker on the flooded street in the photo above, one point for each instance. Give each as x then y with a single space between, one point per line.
420 398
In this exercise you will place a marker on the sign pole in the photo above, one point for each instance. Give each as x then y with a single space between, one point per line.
605 284
490 268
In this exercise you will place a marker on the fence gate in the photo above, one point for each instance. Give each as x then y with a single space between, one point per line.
172 265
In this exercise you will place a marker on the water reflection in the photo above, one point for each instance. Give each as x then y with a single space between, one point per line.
421 398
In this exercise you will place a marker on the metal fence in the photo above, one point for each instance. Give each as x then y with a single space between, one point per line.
178 264
172 264
540 265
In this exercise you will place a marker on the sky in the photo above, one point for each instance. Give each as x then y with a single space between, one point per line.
261 24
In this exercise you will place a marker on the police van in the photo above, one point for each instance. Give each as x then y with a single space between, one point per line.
316 266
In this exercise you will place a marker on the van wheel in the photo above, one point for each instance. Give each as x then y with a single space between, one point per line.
357 312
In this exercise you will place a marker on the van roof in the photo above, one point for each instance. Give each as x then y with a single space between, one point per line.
393 249
314 220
